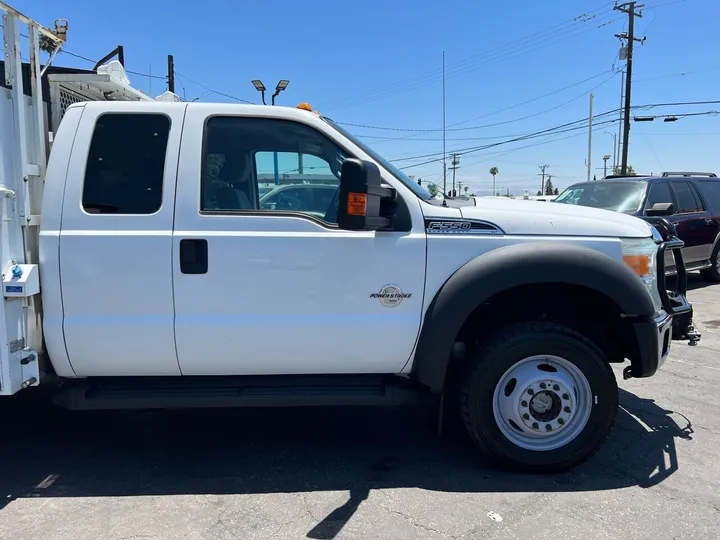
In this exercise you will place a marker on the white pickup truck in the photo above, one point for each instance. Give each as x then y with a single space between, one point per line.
163 282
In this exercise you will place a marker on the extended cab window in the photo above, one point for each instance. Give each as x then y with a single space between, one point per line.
126 164
267 165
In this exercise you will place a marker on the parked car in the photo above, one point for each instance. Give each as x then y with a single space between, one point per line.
690 202
310 198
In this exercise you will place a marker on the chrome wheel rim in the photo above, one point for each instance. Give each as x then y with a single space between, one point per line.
542 403
717 262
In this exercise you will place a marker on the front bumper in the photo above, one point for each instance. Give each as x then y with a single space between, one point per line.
654 336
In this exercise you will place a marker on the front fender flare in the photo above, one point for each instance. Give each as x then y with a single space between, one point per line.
506 268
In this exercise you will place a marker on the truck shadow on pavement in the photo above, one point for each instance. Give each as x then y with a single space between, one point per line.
60 453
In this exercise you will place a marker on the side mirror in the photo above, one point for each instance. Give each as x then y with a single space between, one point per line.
364 204
660 209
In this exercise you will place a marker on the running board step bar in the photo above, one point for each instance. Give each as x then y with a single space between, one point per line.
257 391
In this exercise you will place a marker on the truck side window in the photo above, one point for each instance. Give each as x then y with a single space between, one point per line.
711 191
268 165
126 164
686 198
659 193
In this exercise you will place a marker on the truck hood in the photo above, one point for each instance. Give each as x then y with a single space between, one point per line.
547 218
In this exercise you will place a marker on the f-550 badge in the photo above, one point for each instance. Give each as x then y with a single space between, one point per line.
390 295
449 226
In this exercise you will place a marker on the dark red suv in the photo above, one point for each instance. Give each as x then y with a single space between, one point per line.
691 201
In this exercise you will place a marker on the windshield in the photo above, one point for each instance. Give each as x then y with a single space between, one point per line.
617 196
419 190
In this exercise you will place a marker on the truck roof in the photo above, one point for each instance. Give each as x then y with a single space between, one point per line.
237 108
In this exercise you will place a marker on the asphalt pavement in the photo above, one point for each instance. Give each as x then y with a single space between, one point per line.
365 474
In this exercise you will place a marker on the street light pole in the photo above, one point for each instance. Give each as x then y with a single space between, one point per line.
613 154
281 85
260 87
605 160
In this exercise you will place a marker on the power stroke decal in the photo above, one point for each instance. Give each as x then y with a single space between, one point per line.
390 295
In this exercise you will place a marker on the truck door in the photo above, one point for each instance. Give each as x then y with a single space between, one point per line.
693 222
279 289
116 240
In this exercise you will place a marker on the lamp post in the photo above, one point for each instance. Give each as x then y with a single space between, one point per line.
281 85
260 87
605 159
614 148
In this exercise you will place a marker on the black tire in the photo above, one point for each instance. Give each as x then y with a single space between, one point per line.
712 274
491 361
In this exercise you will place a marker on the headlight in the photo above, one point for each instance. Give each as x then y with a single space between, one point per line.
640 255
656 236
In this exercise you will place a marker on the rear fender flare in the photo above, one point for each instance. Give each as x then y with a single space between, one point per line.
514 266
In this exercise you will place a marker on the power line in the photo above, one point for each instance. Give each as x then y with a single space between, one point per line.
471 63
539 134
544 96
523 103
522 137
81 57
213 90
387 128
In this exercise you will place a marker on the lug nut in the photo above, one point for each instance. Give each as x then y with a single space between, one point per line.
548 427
566 409
565 397
561 421
543 385
523 403
556 387
526 416
536 425
530 392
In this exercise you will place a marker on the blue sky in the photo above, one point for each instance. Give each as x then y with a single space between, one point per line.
377 63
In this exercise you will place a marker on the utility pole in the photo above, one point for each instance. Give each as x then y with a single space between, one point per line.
171 73
542 182
628 8
589 158
455 166
443 121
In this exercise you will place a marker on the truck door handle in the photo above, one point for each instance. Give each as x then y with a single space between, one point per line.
193 256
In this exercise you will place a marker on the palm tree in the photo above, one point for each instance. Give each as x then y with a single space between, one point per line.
494 171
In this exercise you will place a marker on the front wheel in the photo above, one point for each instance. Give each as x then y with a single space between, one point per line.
539 397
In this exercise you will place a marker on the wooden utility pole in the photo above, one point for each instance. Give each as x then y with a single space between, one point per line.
630 9
171 73
542 182
455 166
589 158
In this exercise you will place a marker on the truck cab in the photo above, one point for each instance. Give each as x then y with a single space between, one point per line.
166 282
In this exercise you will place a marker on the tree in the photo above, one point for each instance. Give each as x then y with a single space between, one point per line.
556 192
494 171
630 170
539 193
433 189
549 188
466 189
